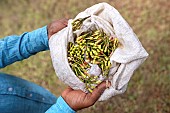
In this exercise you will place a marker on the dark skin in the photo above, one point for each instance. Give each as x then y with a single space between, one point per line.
56 26
76 99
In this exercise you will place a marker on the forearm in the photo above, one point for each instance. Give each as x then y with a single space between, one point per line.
16 48
60 107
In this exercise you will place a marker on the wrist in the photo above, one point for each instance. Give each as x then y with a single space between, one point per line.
49 30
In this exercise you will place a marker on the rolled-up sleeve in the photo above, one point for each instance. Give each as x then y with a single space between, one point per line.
60 107
16 48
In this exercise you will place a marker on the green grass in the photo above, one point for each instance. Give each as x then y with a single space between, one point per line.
148 90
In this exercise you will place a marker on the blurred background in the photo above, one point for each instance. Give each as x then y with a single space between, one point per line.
149 89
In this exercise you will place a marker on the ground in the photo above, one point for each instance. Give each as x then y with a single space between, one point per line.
149 89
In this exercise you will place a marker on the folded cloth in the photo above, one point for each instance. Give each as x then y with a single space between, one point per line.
125 59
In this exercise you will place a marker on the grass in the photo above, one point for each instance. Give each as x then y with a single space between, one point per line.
148 90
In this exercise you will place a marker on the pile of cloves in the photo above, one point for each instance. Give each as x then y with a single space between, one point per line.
93 47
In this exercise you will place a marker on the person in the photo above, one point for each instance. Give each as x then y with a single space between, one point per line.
21 96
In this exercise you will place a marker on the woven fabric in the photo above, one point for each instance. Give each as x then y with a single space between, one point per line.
125 59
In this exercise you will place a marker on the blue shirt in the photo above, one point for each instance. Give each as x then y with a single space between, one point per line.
16 48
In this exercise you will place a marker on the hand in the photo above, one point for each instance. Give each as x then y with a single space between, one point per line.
56 26
78 100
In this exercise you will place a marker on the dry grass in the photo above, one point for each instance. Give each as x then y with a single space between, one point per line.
149 88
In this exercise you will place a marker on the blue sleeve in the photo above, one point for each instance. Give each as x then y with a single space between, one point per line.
60 107
16 48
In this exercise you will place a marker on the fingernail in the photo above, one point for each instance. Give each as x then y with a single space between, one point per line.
108 84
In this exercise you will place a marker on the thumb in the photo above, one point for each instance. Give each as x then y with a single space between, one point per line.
98 91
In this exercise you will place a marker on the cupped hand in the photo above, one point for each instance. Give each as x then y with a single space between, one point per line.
56 26
78 100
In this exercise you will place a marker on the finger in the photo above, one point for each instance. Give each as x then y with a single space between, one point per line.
64 21
97 92
108 84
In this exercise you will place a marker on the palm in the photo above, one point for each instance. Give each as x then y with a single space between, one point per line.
77 99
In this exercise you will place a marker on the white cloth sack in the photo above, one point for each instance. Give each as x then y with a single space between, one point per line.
128 57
